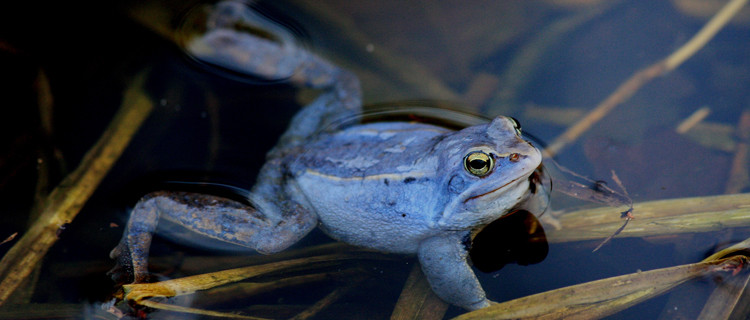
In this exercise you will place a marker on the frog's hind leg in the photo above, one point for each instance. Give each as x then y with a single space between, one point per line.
275 58
216 217
341 102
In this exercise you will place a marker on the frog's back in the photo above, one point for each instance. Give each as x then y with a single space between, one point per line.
374 185
371 149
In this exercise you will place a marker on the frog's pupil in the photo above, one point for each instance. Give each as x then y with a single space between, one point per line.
477 164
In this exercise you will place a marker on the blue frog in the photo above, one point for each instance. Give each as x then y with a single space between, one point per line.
399 187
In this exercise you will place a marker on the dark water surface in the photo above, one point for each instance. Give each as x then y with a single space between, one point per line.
543 62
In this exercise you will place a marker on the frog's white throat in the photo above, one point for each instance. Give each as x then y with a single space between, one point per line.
472 209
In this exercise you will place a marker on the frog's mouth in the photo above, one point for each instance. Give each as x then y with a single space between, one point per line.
503 186
490 192
482 206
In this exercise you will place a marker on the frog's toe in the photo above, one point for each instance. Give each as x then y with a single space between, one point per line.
116 251
123 272
119 274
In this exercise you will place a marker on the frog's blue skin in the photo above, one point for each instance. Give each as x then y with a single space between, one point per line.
394 186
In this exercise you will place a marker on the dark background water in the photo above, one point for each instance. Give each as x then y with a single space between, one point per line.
208 126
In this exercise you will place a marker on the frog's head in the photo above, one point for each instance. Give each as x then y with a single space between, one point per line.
489 168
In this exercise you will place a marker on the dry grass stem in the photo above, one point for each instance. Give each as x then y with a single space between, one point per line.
738 174
526 60
143 293
44 101
188 310
714 135
727 300
66 200
205 264
600 298
643 76
730 298
329 299
186 285
693 120
657 218
706 33
246 290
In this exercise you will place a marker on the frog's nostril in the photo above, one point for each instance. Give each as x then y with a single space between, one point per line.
514 157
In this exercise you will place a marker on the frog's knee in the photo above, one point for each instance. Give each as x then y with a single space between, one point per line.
284 235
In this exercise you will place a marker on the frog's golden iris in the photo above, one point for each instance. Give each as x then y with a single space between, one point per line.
478 163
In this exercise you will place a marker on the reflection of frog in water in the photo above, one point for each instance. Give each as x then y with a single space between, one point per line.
391 186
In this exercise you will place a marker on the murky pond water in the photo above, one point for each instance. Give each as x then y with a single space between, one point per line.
546 63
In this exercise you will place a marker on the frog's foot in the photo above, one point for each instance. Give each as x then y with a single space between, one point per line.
123 269
273 55
119 273
239 38
212 216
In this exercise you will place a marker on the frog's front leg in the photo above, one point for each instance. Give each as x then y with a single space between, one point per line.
443 260
211 216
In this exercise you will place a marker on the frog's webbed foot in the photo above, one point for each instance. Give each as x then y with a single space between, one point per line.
122 270
443 260
212 216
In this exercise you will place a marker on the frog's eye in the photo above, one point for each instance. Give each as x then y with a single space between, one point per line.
516 125
478 163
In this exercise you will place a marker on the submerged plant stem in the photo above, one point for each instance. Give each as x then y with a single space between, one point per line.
188 310
329 299
739 175
67 199
417 300
706 33
643 76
